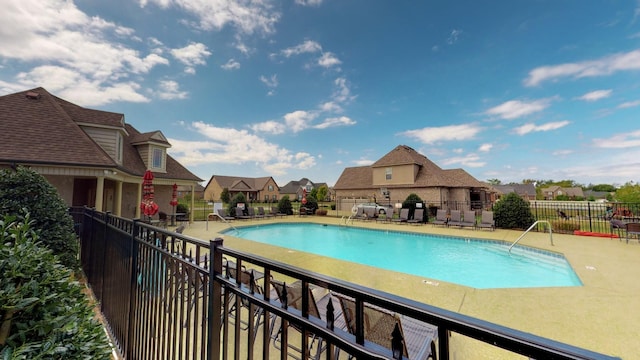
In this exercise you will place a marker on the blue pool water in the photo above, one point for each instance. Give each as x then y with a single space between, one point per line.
481 264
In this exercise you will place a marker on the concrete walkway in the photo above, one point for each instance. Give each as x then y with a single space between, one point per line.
603 315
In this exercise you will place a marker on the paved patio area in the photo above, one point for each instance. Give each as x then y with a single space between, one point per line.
603 315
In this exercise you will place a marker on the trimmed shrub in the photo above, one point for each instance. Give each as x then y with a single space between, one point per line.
564 226
410 203
284 205
25 191
512 212
312 203
237 198
44 313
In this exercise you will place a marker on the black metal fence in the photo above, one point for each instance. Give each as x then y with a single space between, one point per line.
168 296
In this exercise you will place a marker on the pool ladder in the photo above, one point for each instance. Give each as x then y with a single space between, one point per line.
346 220
529 229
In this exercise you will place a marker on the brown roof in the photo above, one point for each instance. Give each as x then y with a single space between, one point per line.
429 174
236 183
45 129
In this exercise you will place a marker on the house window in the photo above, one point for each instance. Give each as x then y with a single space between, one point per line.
119 148
308 188
270 187
388 173
266 198
158 158
274 197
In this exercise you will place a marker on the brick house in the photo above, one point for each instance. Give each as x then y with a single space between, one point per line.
262 189
403 171
91 157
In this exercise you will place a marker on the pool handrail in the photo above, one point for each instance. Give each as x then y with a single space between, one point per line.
529 229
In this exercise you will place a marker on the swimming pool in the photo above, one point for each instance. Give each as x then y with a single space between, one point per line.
481 264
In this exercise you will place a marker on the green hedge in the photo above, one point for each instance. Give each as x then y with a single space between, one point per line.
44 313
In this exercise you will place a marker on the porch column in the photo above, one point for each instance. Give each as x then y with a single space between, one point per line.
118 195
193 203
99 193
139 199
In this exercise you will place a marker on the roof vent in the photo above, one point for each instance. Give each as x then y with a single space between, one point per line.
33 95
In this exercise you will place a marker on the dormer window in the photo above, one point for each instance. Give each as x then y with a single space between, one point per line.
157 160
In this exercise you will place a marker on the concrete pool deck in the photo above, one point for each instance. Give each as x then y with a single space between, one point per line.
603 315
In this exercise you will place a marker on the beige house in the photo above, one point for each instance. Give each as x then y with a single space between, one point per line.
404 171
552 192
262 189
92 157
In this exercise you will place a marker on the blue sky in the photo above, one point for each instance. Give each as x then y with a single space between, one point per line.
509 90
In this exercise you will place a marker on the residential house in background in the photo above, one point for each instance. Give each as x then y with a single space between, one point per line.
263 189
525 191
552 192
91 157
404 171
295 189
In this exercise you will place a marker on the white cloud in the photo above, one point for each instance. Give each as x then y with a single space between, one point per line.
269 127
231 65
591 68
620 141
328 60
528 128
299 120
562 152
453 36
596 95
192 55
271 82
470 160
308 46
514 109
485 147
309 2
336 121
431 135
246 17
343 93
232 146
629 104
170 90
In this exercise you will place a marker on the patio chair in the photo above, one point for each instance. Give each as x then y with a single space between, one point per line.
162 216
403 217
264 214
633 229
418 217
487 220
441 217
455 218
292 296
222 215
275 212
382 327
248 278
469 219
240 214
387 216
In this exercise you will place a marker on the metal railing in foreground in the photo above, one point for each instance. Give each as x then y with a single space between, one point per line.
157 290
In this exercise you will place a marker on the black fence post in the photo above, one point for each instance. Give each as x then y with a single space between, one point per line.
589 214
215 300
133 278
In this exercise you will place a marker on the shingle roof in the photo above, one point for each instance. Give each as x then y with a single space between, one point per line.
45 129
235 183
520 189
429 174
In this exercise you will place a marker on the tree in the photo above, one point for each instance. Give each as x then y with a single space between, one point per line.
225 196
25 191
603 187
322 193
238 198
512 212
312 203
629 192
284 205
494 182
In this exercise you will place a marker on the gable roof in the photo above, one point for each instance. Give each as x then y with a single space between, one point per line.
238 183
40 128
292 187
520 189
429 174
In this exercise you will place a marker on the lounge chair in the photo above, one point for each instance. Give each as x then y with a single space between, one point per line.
223 216
261 213
404 216
455 219
418 217
387 216
441 217
292 296
617 225
487 220
381 326
469 219
562 215
359 215
275 212
252 213
240 214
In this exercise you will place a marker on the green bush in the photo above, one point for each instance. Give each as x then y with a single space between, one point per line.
23 191
512 212
410 203
564 226
182 208
44 313
312 203
237 198
284 205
